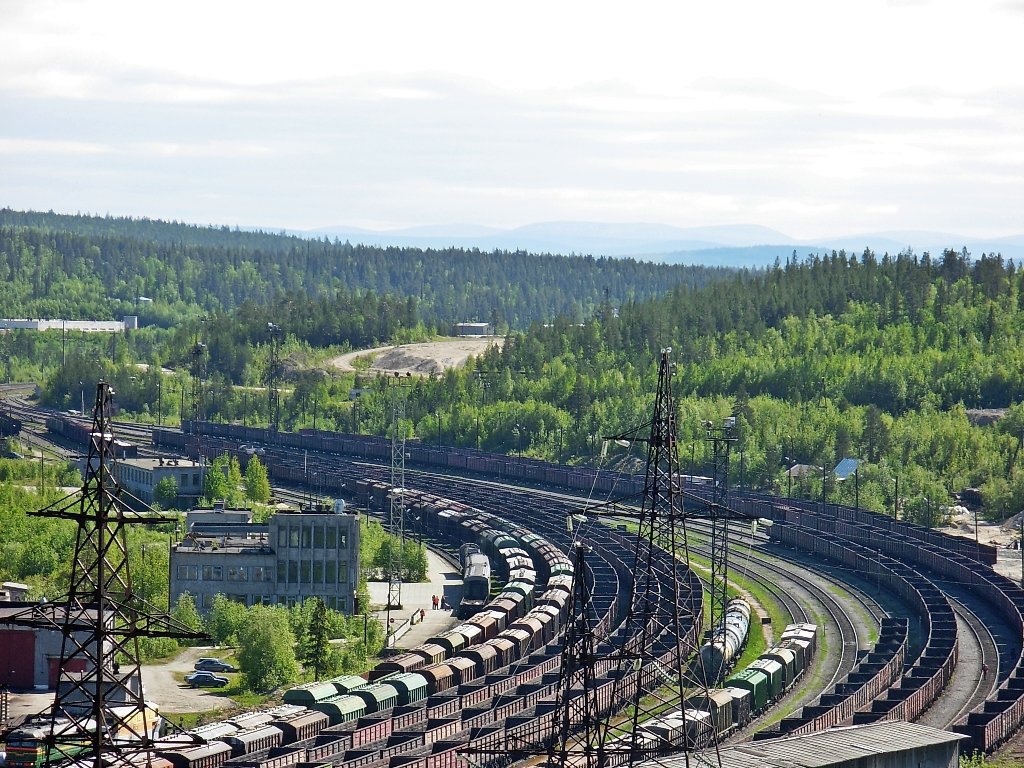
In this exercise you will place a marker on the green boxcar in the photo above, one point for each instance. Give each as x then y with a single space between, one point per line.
310 693
411 686
776 676
347 683
378 696
755 681
341 709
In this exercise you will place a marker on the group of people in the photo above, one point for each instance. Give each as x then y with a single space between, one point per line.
440 603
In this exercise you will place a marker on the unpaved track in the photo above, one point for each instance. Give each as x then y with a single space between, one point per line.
419 359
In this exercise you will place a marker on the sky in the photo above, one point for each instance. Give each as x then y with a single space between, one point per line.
812 118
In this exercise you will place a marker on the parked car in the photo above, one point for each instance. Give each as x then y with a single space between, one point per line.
214 665
206 680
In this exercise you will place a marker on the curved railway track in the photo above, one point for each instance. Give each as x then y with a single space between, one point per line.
1003 642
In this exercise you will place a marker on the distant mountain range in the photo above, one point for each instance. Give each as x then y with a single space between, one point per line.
735 246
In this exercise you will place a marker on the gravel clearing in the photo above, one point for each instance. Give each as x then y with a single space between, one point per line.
418 359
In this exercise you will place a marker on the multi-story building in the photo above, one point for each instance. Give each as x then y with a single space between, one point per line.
298 554
141 476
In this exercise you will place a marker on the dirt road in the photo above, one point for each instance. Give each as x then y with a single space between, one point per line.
171 695
419 359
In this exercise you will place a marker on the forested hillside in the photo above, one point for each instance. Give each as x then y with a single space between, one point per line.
90 267
876 357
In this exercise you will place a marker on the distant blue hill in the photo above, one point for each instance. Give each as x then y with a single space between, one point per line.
734 246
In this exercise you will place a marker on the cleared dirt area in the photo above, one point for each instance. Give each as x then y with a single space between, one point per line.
417 359
172 695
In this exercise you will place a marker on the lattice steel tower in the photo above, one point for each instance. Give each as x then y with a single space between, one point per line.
396 512
274 377
658 641
101 702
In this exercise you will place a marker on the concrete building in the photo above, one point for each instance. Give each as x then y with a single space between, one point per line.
140 477
297 554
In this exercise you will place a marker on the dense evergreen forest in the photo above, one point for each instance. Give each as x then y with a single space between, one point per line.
876 357
90 267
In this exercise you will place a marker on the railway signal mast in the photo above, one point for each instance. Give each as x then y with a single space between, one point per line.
99 703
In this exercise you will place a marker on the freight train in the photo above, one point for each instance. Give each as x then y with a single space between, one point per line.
746 695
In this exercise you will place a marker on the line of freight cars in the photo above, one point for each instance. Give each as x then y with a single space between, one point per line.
583 479
998 718
79 432
713 716
520 469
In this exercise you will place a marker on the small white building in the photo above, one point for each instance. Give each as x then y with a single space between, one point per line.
473 329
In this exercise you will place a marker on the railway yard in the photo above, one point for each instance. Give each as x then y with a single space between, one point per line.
907 617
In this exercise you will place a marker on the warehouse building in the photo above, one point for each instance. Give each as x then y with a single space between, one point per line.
30 655
313 552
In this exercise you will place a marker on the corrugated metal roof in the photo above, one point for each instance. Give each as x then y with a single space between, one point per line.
828 748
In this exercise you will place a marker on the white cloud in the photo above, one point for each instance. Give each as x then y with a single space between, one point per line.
797 115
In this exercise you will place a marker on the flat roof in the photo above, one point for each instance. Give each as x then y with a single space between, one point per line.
160 463
835 746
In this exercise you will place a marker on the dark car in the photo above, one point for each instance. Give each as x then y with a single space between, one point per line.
214 665
206 680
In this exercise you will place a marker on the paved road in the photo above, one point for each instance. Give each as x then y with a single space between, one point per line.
443 579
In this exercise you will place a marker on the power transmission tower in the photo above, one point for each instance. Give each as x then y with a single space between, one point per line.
658 641
99 700
396 515
273 377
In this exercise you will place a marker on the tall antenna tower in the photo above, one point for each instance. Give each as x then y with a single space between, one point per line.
101 620
396 514
274 377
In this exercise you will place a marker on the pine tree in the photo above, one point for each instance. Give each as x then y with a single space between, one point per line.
318 647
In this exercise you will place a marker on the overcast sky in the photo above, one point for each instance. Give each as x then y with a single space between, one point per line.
814 118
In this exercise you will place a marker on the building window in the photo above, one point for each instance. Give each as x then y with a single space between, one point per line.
318 572
342 539
282 572
213 573
318 537
293 571
238 573
293 535
282 536
304 572
184 479
265 599
342 603
306 537
332 538
342 573
261 573
195 479
207 602
331 575
188 572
